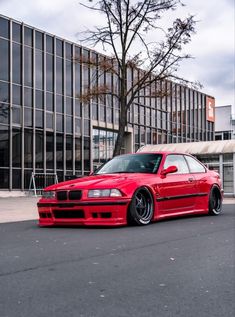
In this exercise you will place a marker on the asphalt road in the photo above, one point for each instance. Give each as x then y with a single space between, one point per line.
181 267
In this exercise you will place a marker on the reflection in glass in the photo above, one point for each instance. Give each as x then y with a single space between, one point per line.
16 178
94 111
77 126
49 120
78 108
78 163
59 75
87 147
39 99
4 27
4 58
59 103
28 36
69 106
39 40
59 47
49 102
69 50
68 78
4 147
49 72
28 66
69 152
4 92
39 119
77 79
39 69
49 150
59 123
87 127
69 124
16 95
49 44
16 147
59 151
28 97
16 32
16 64
39 149
4 113
28 117
4 176
16 115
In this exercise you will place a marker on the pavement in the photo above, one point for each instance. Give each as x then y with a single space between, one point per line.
13 209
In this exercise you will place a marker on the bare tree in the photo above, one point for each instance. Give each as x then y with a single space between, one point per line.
127 23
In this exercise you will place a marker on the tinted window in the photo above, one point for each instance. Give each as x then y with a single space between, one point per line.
4 92
28 36
133 163
28 145
59 47
4 27
49 44
178 161
4 147
16 147
39 69
4 57
28 63
16 63
194 166
16 32
39 40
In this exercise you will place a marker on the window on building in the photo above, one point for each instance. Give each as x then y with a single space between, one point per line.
5 61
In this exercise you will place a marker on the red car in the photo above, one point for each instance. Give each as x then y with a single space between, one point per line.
134 188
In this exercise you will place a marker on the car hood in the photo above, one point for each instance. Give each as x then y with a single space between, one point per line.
100 181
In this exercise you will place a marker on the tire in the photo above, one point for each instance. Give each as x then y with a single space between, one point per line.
141 208
215 201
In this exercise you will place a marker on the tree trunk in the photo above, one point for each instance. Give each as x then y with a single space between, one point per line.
121 132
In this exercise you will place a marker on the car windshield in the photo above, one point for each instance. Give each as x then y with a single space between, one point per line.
131 163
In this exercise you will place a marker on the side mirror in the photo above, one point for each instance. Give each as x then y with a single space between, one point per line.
168 170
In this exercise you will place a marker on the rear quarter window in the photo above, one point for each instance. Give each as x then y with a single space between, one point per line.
194 165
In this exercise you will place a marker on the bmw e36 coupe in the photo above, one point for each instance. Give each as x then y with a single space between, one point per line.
134 189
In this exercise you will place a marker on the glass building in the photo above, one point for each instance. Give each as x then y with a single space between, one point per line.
44 127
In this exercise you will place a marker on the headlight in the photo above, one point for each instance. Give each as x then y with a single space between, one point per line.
48 194
104 193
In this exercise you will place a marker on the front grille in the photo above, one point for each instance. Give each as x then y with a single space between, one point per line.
75 195
62 195
69 195
69 214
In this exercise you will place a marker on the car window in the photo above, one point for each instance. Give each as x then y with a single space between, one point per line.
131 163
194 165
178 161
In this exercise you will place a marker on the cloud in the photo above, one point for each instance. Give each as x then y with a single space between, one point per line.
212 45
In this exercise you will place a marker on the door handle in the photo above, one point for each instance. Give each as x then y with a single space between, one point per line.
190 179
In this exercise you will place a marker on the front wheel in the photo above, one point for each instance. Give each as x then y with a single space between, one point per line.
215 202
142 207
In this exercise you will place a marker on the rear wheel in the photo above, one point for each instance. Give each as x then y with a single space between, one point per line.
141 208
215 202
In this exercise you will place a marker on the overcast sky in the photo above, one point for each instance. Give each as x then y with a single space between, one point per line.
213 45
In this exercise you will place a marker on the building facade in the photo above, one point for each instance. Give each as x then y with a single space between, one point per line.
224 123
44 127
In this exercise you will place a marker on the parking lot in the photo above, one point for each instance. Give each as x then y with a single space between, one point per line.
180 267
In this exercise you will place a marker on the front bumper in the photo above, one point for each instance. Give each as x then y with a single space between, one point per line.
87 213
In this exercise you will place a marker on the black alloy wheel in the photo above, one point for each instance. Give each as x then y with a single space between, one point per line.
215 202
141 208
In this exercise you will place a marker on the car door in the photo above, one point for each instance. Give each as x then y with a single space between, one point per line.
177 190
